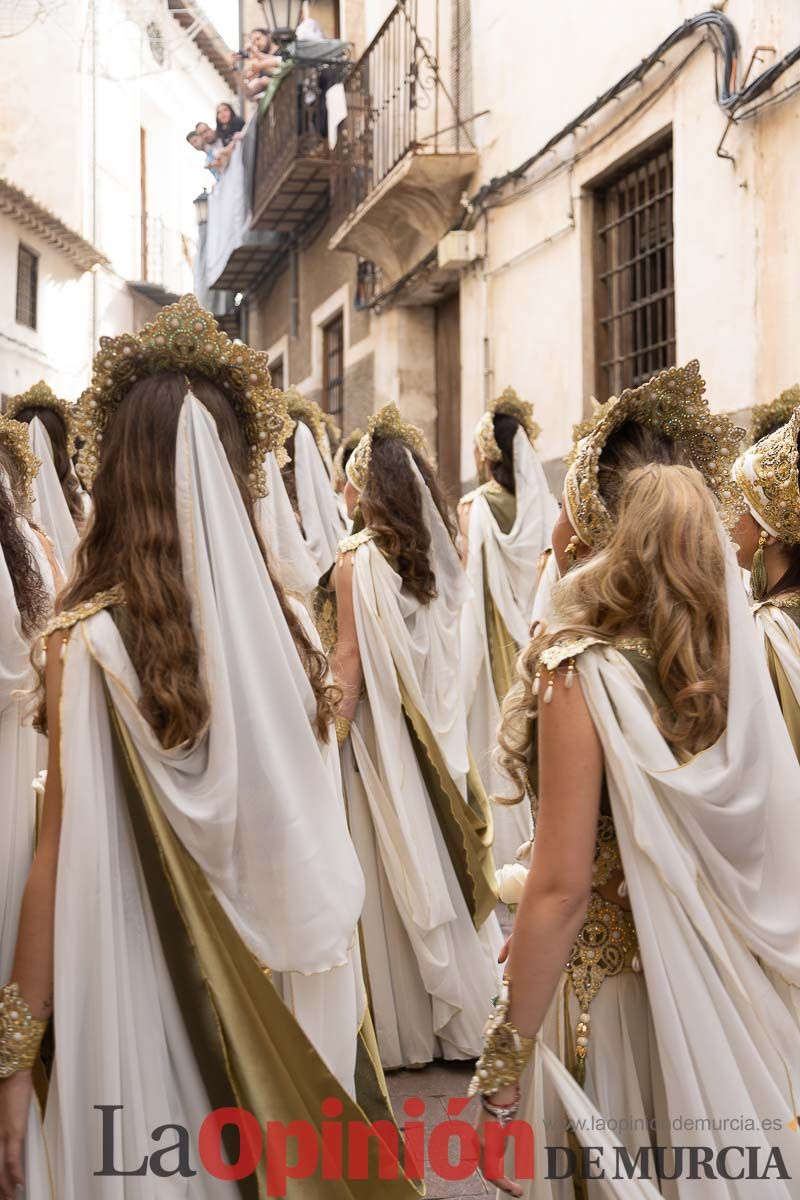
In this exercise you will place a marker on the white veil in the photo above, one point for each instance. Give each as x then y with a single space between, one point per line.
322 522
290 554
709 848
50 509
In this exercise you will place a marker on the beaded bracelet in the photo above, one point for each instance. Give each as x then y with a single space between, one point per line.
20 1035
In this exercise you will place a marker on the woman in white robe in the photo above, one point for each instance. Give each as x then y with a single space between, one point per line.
58 499
29 576
768 537
418 813
192 910
664 848
505 527
308 481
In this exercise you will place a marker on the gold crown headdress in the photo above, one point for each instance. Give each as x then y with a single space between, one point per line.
583 428
309 412
767 476
767 418
387 423
43 396
346 446
184 338
14 440
511 405
673 404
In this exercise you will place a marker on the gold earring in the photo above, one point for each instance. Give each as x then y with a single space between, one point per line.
758 572
571 548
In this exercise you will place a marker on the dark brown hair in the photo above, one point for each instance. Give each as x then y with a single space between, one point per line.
392 509
133 539
30 594
57 432
505 428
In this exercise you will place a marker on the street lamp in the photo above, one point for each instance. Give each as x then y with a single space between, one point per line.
201 207
282 17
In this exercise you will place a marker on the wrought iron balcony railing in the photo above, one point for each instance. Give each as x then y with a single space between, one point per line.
291 183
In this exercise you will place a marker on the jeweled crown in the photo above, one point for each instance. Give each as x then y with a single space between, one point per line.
767 475
346 447
767 418
309 412
14 441
511 405
673 404
185 338
388 422
41 395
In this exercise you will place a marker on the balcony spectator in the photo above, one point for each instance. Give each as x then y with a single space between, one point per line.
229 124
204 139
258 62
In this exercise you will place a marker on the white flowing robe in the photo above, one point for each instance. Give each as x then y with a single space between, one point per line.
23 754
510 562
50 508
256 802
709 850
319 511
289 554
431 974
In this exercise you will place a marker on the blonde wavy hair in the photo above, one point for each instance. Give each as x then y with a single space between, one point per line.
662 576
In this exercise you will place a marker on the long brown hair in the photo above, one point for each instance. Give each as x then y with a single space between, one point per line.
57 433
133 540
30 593
662 575
392 509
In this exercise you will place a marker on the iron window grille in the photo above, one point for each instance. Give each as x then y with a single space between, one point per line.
333 368
27 286
635 279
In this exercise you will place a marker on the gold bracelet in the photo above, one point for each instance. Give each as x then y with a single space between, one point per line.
506 1052
20 1035
342 729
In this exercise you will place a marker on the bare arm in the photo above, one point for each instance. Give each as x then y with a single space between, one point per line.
347 668
33 960
557 891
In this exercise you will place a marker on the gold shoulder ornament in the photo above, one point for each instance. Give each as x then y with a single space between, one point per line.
673 404
41 395
388 422
184 338
354 541
67 620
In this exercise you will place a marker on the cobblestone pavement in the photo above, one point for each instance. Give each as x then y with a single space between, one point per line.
435 1084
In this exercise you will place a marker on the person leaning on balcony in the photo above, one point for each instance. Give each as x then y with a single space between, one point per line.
208 144
257 63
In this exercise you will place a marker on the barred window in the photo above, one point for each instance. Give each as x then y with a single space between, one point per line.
635 282
27 286
333 368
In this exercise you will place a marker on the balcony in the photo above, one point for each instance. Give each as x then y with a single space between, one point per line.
292 167
404 155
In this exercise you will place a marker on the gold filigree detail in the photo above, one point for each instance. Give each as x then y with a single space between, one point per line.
388 422
785 600
66 620
607 860
14 440
641 645
767 475
672 403
606 946
20 1033
41 395
326 619
583 428
310 413
553 656
184 338
509 404
767 418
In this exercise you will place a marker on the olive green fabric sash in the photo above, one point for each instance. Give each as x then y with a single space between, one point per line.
503 649
786 697
467 828
250 1050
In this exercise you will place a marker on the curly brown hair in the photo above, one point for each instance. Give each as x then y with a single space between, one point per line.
133 539
392 509
57 432
30 593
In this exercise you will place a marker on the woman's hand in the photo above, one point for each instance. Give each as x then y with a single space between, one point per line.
503 1098
16 1094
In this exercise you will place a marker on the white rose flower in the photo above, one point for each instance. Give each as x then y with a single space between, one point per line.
510 881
